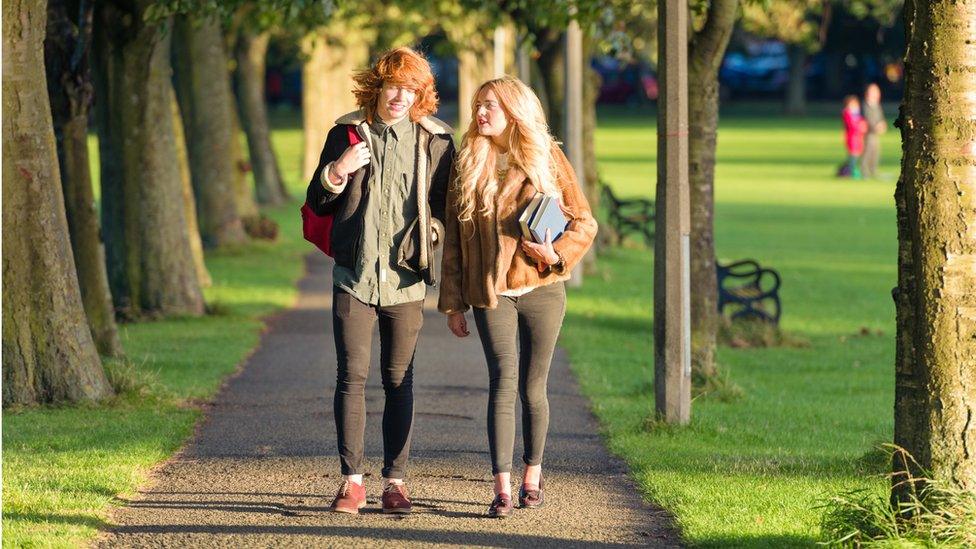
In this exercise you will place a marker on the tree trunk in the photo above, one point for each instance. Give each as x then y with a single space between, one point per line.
475 66
150 264
704 58
333 54
251 53
552 69
48 351
935 365
834 75
475 48
244 196
70 92
796 88
189 202
591 176
203 89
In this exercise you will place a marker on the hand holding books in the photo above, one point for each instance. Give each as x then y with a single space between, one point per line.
543 213
543 254
542 223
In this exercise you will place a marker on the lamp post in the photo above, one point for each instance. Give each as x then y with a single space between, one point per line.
672 306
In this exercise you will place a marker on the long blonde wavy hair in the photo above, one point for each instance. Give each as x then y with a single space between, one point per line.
529 148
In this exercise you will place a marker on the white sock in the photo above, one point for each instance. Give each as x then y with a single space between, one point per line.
358 479
393 481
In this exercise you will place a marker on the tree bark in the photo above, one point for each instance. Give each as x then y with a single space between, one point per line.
70 91
203 89
150 264
834 74
704 58
189 202
333 53
243 194
935 365
475 59
251 52
474 45
552 69
796 87
48 351
591 176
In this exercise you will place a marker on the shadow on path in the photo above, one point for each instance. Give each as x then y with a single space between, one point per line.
262 466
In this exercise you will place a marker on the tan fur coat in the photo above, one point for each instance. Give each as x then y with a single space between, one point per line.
478 264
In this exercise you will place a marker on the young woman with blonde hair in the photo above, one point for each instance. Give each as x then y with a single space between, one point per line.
514 285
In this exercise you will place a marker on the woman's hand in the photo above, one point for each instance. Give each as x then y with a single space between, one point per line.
458 325
541 253
355 157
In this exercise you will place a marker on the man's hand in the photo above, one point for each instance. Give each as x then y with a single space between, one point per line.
355 157
458 325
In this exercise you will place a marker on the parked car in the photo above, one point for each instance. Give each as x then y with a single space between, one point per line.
624 82
762 68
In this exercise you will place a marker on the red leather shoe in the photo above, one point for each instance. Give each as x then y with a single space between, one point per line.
395 499
531 499
501 506
350 498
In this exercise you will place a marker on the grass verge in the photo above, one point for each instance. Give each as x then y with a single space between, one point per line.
62 467
749 471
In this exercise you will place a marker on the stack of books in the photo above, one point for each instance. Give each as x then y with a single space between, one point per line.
542 213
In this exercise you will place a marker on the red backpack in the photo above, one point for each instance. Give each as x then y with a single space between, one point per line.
317 229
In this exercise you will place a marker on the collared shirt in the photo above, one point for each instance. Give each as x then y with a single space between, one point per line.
390 208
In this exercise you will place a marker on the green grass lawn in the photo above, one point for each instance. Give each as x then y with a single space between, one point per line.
744 473
62 467
749 472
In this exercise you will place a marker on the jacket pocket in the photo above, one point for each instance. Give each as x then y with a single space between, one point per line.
346 243
408 253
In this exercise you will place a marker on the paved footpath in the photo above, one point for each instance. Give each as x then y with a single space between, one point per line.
262 467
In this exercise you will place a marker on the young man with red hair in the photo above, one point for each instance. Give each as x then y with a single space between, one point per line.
383 175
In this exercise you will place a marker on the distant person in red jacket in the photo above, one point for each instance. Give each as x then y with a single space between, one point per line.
854 129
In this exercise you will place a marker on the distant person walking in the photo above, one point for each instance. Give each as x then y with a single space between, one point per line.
514 284
854 129
876 126
383 175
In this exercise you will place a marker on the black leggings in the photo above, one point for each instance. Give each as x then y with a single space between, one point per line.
352 324
534 320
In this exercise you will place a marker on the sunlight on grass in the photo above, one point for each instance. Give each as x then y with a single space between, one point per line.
749 472
62 467
745 473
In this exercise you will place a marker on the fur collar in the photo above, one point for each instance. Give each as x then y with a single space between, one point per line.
433 125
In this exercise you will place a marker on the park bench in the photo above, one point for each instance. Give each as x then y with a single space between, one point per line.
749 291
632 215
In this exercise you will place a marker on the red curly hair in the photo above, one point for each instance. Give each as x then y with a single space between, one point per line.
401 67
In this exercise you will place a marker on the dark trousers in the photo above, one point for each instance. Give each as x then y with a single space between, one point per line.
352 323
519 337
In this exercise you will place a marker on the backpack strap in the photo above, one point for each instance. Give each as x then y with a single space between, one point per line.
353 135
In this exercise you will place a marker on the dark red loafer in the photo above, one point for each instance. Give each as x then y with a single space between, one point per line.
501 506
531 498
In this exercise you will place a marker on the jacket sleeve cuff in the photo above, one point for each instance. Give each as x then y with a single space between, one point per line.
449 308
329 185
560 266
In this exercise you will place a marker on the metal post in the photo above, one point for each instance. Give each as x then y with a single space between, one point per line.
574 113
672 305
